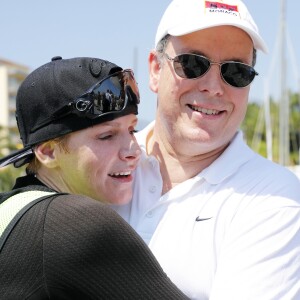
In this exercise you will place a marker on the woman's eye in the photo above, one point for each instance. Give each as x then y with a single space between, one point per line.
133 131
105 137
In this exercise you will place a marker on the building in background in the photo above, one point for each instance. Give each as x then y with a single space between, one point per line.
11 76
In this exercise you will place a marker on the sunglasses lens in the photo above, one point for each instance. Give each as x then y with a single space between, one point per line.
193 66
190 66
237 74
113 93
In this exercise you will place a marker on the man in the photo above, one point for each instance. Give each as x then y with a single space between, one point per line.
223 222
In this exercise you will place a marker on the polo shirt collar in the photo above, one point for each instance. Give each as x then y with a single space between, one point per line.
236 154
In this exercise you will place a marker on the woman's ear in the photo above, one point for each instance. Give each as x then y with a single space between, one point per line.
154 66
46 154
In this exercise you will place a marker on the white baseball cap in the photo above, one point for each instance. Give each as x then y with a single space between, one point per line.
185 16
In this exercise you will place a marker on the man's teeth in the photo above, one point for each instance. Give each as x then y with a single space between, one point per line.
205 111
121 174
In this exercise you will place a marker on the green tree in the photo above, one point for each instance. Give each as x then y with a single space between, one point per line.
254 128
294 121
8 174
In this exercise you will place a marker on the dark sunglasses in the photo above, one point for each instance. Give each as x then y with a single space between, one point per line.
193 66
110 95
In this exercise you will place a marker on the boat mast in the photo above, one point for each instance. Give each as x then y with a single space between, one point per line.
284 143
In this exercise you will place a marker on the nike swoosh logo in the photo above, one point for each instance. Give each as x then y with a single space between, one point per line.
198 219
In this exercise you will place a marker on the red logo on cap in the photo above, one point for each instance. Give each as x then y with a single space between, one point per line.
220 6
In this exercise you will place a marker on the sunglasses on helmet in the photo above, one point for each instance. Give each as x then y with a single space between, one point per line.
192 66
110 95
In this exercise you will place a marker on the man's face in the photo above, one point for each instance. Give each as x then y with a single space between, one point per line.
203 113
100 160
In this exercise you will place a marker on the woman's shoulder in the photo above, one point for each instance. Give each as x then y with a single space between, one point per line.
84 213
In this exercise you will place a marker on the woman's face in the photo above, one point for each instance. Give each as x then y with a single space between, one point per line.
100 161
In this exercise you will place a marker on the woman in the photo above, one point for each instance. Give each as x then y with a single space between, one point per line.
76 119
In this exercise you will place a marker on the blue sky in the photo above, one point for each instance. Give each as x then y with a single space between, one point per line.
123 31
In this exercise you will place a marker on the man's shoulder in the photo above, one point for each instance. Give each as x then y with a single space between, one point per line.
273 170
247 163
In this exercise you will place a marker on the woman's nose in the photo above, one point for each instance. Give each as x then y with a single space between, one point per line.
131 151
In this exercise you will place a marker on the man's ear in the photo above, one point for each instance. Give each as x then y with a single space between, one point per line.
46 154
154 66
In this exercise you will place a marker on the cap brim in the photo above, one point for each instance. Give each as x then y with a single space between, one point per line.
18 158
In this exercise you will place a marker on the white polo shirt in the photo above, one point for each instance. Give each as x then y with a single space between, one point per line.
231 232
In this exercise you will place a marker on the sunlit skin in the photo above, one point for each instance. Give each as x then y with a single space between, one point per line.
99 161
185 139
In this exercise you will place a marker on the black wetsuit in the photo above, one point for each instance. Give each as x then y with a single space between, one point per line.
73 247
